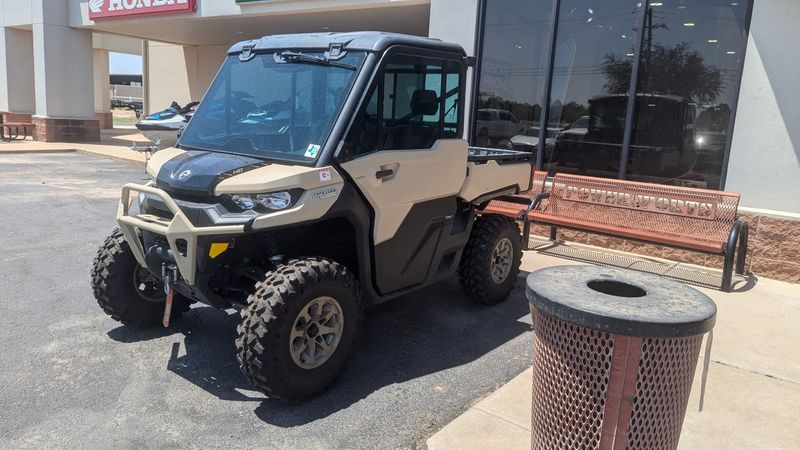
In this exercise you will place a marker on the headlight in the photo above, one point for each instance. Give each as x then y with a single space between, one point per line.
273 201
243 201
276 200
700 141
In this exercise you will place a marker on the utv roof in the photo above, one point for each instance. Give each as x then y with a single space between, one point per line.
372 41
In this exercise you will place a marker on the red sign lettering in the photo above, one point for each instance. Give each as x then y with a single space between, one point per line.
107 9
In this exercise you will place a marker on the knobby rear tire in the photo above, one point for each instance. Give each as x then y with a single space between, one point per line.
474 270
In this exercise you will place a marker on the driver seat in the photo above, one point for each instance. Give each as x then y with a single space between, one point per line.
411 132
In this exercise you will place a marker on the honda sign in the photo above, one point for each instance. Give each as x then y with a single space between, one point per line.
107 9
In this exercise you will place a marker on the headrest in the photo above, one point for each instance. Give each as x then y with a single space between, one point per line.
424 102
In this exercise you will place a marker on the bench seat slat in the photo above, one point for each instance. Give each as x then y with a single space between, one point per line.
643 235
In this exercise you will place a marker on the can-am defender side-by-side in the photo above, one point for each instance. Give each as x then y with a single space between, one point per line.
321 173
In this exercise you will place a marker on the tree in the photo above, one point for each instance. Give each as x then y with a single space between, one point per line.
666 71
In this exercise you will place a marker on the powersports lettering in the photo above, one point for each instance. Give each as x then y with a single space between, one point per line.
693 208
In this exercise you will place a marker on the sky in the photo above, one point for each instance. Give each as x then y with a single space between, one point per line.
124 64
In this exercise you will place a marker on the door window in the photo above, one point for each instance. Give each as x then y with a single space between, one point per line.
414 102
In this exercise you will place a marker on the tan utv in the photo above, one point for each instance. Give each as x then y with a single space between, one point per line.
321 173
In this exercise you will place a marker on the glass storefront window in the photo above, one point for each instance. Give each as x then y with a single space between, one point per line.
689 71
512 74
587 104
688 81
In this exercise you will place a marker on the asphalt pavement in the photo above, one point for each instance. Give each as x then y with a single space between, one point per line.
70 377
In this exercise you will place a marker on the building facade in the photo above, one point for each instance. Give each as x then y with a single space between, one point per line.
698 93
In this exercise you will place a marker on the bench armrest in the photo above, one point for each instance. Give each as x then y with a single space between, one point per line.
534 204
738 236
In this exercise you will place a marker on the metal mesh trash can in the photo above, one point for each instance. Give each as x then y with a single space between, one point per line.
614 357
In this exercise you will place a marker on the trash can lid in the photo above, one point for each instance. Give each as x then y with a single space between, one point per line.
620 301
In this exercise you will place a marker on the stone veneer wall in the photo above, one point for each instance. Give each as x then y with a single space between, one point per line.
773 250
106 120
66 130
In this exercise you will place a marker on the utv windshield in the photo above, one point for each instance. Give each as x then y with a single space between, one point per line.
274 106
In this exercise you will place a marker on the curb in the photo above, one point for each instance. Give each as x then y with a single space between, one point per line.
28 151
116 157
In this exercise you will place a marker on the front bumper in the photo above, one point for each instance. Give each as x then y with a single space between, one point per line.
178 231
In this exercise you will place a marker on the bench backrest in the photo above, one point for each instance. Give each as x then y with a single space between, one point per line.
695 214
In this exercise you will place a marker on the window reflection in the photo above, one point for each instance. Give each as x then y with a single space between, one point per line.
588 95
513 70
691 73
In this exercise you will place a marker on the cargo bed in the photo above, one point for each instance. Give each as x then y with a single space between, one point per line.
502 156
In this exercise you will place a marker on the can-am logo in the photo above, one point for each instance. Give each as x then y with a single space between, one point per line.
106 9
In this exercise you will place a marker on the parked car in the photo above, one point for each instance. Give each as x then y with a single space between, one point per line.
663 136
577 129
496 125
529 141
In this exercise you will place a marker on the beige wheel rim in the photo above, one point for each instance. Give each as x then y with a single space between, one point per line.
316 332
502 258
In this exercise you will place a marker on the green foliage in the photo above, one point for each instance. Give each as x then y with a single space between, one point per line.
666 71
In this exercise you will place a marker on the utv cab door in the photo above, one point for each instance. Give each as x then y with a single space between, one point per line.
405 154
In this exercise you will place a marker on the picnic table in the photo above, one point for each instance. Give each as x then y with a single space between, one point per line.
13 128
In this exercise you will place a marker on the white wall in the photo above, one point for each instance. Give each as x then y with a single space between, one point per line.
16 12
209 60
765 156
455 21
117 43
63 72
62 62
102 81
16 71
181 73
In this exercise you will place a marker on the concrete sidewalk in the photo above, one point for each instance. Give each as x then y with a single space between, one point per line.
751 399
115 143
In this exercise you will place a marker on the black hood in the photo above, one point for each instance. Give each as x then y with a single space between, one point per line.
196 173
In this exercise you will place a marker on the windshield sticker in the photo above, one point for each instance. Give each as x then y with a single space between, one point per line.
325 175
312 150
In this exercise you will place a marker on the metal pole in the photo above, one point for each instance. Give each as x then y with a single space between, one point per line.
145 78
626 140
476 72
548 81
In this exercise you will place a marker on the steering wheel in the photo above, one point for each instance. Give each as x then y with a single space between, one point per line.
240 95
274 107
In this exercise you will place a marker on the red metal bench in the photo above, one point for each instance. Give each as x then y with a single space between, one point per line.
692 219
